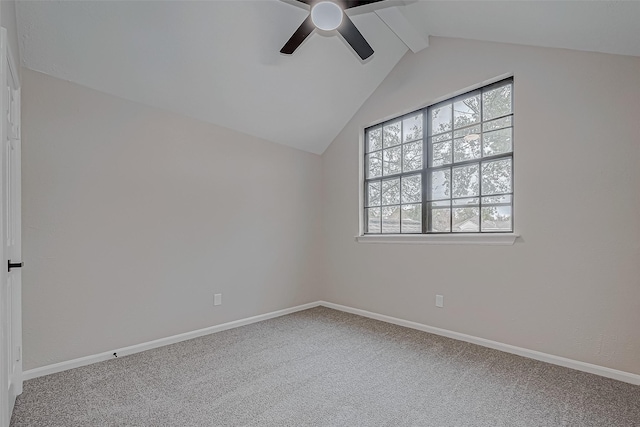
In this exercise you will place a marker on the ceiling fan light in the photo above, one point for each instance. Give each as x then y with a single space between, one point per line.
326 15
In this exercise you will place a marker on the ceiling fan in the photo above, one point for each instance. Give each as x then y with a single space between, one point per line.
328 15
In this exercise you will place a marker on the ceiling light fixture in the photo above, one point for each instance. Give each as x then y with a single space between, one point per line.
326 15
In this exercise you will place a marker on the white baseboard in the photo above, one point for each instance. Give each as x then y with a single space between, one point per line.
531 354
87 360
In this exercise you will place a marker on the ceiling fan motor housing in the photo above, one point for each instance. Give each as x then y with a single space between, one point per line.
327 16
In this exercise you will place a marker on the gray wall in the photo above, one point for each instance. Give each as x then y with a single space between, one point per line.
571 285
133 217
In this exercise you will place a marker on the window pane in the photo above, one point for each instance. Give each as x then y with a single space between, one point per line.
497 124
440 184
496 102
466 111
466 181
391 161
412 128
391 134
374 139
374 164
412 189
467 148
497 142
496 218
441 119
466 220
440 219
412 156
373 193
373 220
391 219
463 202
391 192
496 199
441 137
441 153
411 218
466 131
496 177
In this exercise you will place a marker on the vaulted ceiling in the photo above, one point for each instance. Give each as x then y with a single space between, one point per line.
219 61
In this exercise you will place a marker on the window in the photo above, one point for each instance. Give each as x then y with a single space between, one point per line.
446 168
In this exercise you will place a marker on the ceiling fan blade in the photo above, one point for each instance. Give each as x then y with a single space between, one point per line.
298 37
355 38
348 4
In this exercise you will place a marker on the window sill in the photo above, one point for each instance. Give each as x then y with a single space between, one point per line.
441 239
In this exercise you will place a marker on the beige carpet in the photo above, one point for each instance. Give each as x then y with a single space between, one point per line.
322 367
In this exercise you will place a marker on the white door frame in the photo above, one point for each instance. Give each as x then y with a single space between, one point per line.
10 328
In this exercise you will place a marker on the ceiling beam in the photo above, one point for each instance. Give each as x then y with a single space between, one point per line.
398 23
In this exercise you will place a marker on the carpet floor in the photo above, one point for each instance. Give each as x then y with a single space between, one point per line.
322 367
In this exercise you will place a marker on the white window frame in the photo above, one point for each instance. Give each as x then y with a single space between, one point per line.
448 238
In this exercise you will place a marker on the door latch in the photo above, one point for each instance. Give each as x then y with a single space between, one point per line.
13 265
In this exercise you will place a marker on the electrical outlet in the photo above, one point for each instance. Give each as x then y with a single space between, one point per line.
217 299
439 301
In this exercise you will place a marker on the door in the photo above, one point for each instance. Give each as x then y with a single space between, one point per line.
11 276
